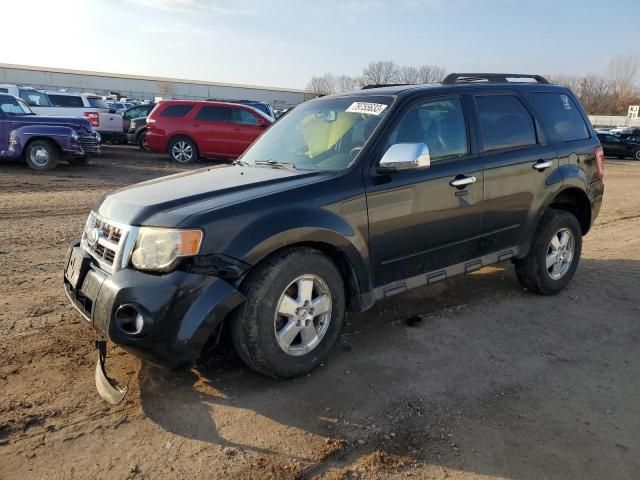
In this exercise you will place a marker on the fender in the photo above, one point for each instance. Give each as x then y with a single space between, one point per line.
282 229
60 134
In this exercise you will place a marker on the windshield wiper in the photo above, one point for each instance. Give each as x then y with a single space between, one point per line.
240 162
276 164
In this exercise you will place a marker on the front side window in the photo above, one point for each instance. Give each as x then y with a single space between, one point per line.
13 106
324 134
66 101
34 98
561 116
176 110
242 117
212 114
439 124
504 122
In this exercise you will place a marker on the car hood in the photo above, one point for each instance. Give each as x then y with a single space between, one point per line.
167 201
77 123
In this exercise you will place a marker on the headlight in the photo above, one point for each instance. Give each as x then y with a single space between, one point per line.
132 124
159 248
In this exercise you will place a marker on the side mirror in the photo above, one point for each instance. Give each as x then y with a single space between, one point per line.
405 156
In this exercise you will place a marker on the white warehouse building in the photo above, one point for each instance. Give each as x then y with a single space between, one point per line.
144 88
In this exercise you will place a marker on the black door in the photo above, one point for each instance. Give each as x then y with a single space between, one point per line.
612 146
517 162
418 221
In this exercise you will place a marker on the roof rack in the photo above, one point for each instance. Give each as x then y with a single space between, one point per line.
489 77
380 85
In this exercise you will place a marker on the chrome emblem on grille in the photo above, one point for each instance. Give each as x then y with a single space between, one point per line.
93 236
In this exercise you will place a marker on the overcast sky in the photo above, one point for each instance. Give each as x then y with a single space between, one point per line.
284 42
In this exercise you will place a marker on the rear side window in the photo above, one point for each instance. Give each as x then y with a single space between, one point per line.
241 116
97 102
561 116
66 101
176 110
504 123
212 114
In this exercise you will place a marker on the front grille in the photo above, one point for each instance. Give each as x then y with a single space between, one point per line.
89 143
106 241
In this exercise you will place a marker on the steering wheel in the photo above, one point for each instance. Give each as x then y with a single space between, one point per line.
354 151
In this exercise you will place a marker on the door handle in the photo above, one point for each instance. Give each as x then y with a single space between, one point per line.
462 181
542 164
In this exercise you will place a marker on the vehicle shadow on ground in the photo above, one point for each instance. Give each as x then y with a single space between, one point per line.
474 374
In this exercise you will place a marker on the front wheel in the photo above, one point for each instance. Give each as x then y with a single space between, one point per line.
183 150
41 155
555 252
293 313
636 154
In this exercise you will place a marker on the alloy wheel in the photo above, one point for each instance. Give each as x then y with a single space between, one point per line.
560 253
182 151
302 315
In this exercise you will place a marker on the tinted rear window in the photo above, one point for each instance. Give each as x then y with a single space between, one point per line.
561 116
504 122
66 100
213 114
97 102
176 110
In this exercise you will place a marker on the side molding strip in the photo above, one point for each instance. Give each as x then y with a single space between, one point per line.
442 274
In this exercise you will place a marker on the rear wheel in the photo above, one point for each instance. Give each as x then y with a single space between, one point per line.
183 150
293 313
554 255
636 154
41 155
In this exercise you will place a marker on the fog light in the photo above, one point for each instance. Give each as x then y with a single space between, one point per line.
132 319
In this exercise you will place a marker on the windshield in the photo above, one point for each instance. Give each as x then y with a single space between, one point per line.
323 134
14 106
34 98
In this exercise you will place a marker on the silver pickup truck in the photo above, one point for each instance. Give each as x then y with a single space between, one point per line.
69 104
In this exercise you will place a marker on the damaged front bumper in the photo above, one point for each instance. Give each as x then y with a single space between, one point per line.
164 319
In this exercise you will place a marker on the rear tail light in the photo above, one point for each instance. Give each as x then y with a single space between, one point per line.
599 153
93 118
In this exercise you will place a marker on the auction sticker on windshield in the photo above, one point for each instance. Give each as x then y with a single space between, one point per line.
368 108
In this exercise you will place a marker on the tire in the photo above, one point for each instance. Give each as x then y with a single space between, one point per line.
532 271
256 323
142 141
636 154
41 155
183 150
78 160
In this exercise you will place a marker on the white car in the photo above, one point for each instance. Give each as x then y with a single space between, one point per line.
87 105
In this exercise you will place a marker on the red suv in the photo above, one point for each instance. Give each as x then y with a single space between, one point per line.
187 129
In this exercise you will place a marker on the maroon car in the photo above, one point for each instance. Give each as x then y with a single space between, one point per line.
187 129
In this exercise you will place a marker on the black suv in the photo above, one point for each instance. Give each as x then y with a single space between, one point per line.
345 201
616 146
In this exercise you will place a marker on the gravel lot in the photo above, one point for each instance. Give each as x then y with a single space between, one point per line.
474 378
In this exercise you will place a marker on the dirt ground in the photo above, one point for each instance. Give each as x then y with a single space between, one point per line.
473 378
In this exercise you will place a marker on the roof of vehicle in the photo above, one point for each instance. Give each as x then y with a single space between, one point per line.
74 94
455 81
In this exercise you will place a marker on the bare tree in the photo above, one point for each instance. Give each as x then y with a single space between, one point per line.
409 75
345 83
324 85
572 82
431 74
597 95
380 73
166 89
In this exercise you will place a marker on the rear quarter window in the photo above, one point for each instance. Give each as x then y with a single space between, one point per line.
561 116
176 111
